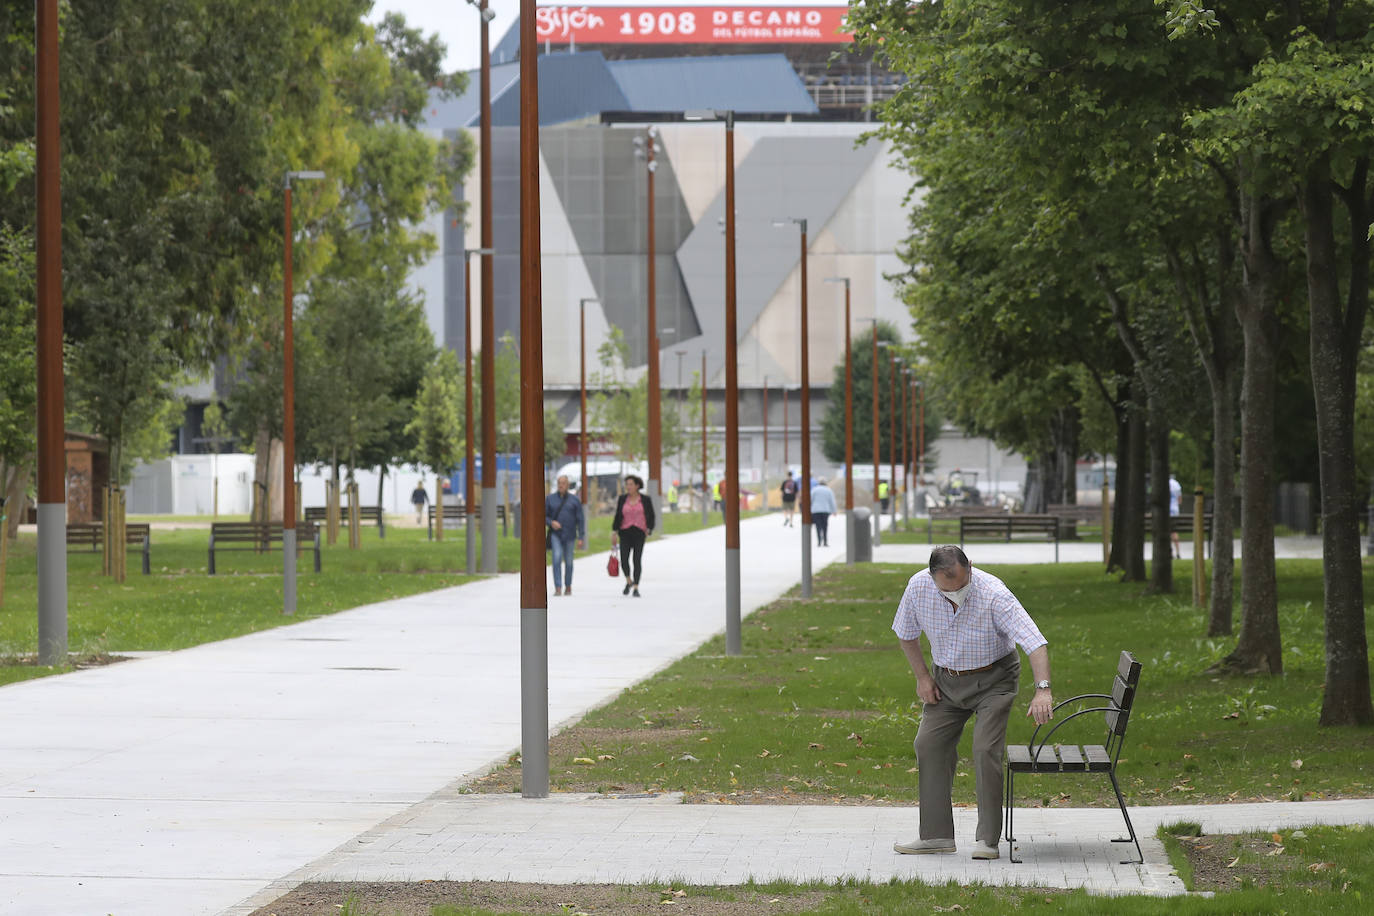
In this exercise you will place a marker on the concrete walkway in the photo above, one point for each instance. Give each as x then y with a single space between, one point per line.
213 779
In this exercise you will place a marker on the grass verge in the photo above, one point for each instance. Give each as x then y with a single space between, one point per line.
821 707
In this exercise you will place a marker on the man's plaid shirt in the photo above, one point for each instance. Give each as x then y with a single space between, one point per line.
985 629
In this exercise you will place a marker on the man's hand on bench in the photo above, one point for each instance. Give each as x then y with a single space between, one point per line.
1041 706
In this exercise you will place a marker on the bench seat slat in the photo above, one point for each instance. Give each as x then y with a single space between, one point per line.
1098 758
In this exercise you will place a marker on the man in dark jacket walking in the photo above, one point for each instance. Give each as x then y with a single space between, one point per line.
566 524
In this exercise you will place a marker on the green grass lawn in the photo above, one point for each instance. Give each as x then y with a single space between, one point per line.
179 605
822 705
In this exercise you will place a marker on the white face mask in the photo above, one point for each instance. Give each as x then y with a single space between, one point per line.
958 595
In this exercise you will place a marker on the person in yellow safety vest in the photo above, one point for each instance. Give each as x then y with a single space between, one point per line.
672 496
882 493
717 494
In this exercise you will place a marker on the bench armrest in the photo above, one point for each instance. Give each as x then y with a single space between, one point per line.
1060 705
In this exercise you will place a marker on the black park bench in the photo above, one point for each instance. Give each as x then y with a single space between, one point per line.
92 536
320 514
456 512
1005 526
260 537
1040 757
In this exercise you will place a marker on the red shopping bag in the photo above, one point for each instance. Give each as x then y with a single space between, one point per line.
613 566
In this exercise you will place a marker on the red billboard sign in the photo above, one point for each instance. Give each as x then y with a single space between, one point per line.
597 25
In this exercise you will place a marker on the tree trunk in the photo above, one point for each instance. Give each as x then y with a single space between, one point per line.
1120 537
1223 501
1070 425
16 489
1162 564
1133 510
1035 498
1335 338
262 464
1259 647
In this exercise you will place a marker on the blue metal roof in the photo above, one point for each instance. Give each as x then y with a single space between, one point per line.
584 84
743 83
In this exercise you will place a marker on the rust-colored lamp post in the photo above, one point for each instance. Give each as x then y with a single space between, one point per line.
52 453
469 434
288 414
582 388
645 149
800 223
534 596
878 345
488 309
848 428
729 488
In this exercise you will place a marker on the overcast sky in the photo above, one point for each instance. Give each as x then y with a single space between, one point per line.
456 22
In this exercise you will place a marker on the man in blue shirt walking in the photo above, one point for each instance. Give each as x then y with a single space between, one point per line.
566 524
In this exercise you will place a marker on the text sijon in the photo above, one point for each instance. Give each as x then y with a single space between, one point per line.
562 21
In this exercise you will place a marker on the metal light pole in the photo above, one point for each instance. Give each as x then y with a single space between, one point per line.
288 414
764 485
52 455
534 598
582 360
892 436
848 428
786 433
877 450
469 434
705 483
906 428
681 439
645 146
729 489
488 358
800 222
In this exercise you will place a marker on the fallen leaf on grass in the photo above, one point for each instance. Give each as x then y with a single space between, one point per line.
1320 866
605 756
1276 851
822 658
1233 862
1276 837
765 753
855 736
840 765
689 758
1296 764
815 746
584 761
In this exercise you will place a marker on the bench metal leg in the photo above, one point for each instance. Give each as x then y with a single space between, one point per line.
147 560
1140 856
212 557
317 550
1010 809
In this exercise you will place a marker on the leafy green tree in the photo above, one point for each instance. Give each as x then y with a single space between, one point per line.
832 427
437 423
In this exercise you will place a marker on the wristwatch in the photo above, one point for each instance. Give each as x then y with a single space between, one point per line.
1042 685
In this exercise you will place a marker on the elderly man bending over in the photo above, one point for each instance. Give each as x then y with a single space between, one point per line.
973 623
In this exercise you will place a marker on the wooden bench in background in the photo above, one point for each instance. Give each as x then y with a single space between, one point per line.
92 536
456 512
951 513
1041 757
319 515
260 537
1006 526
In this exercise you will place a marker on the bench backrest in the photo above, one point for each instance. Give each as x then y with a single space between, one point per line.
1124 687
94 532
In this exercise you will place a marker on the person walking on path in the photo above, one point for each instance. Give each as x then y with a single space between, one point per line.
633 523
1175 506
418 497
567 525
973 623
789 499
822 507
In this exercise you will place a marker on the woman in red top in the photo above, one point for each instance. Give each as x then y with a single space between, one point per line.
633 523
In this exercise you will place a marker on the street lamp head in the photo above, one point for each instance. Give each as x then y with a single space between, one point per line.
883 344
782 223
306 175
480 252
844 280
582 303
488 14
710 114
